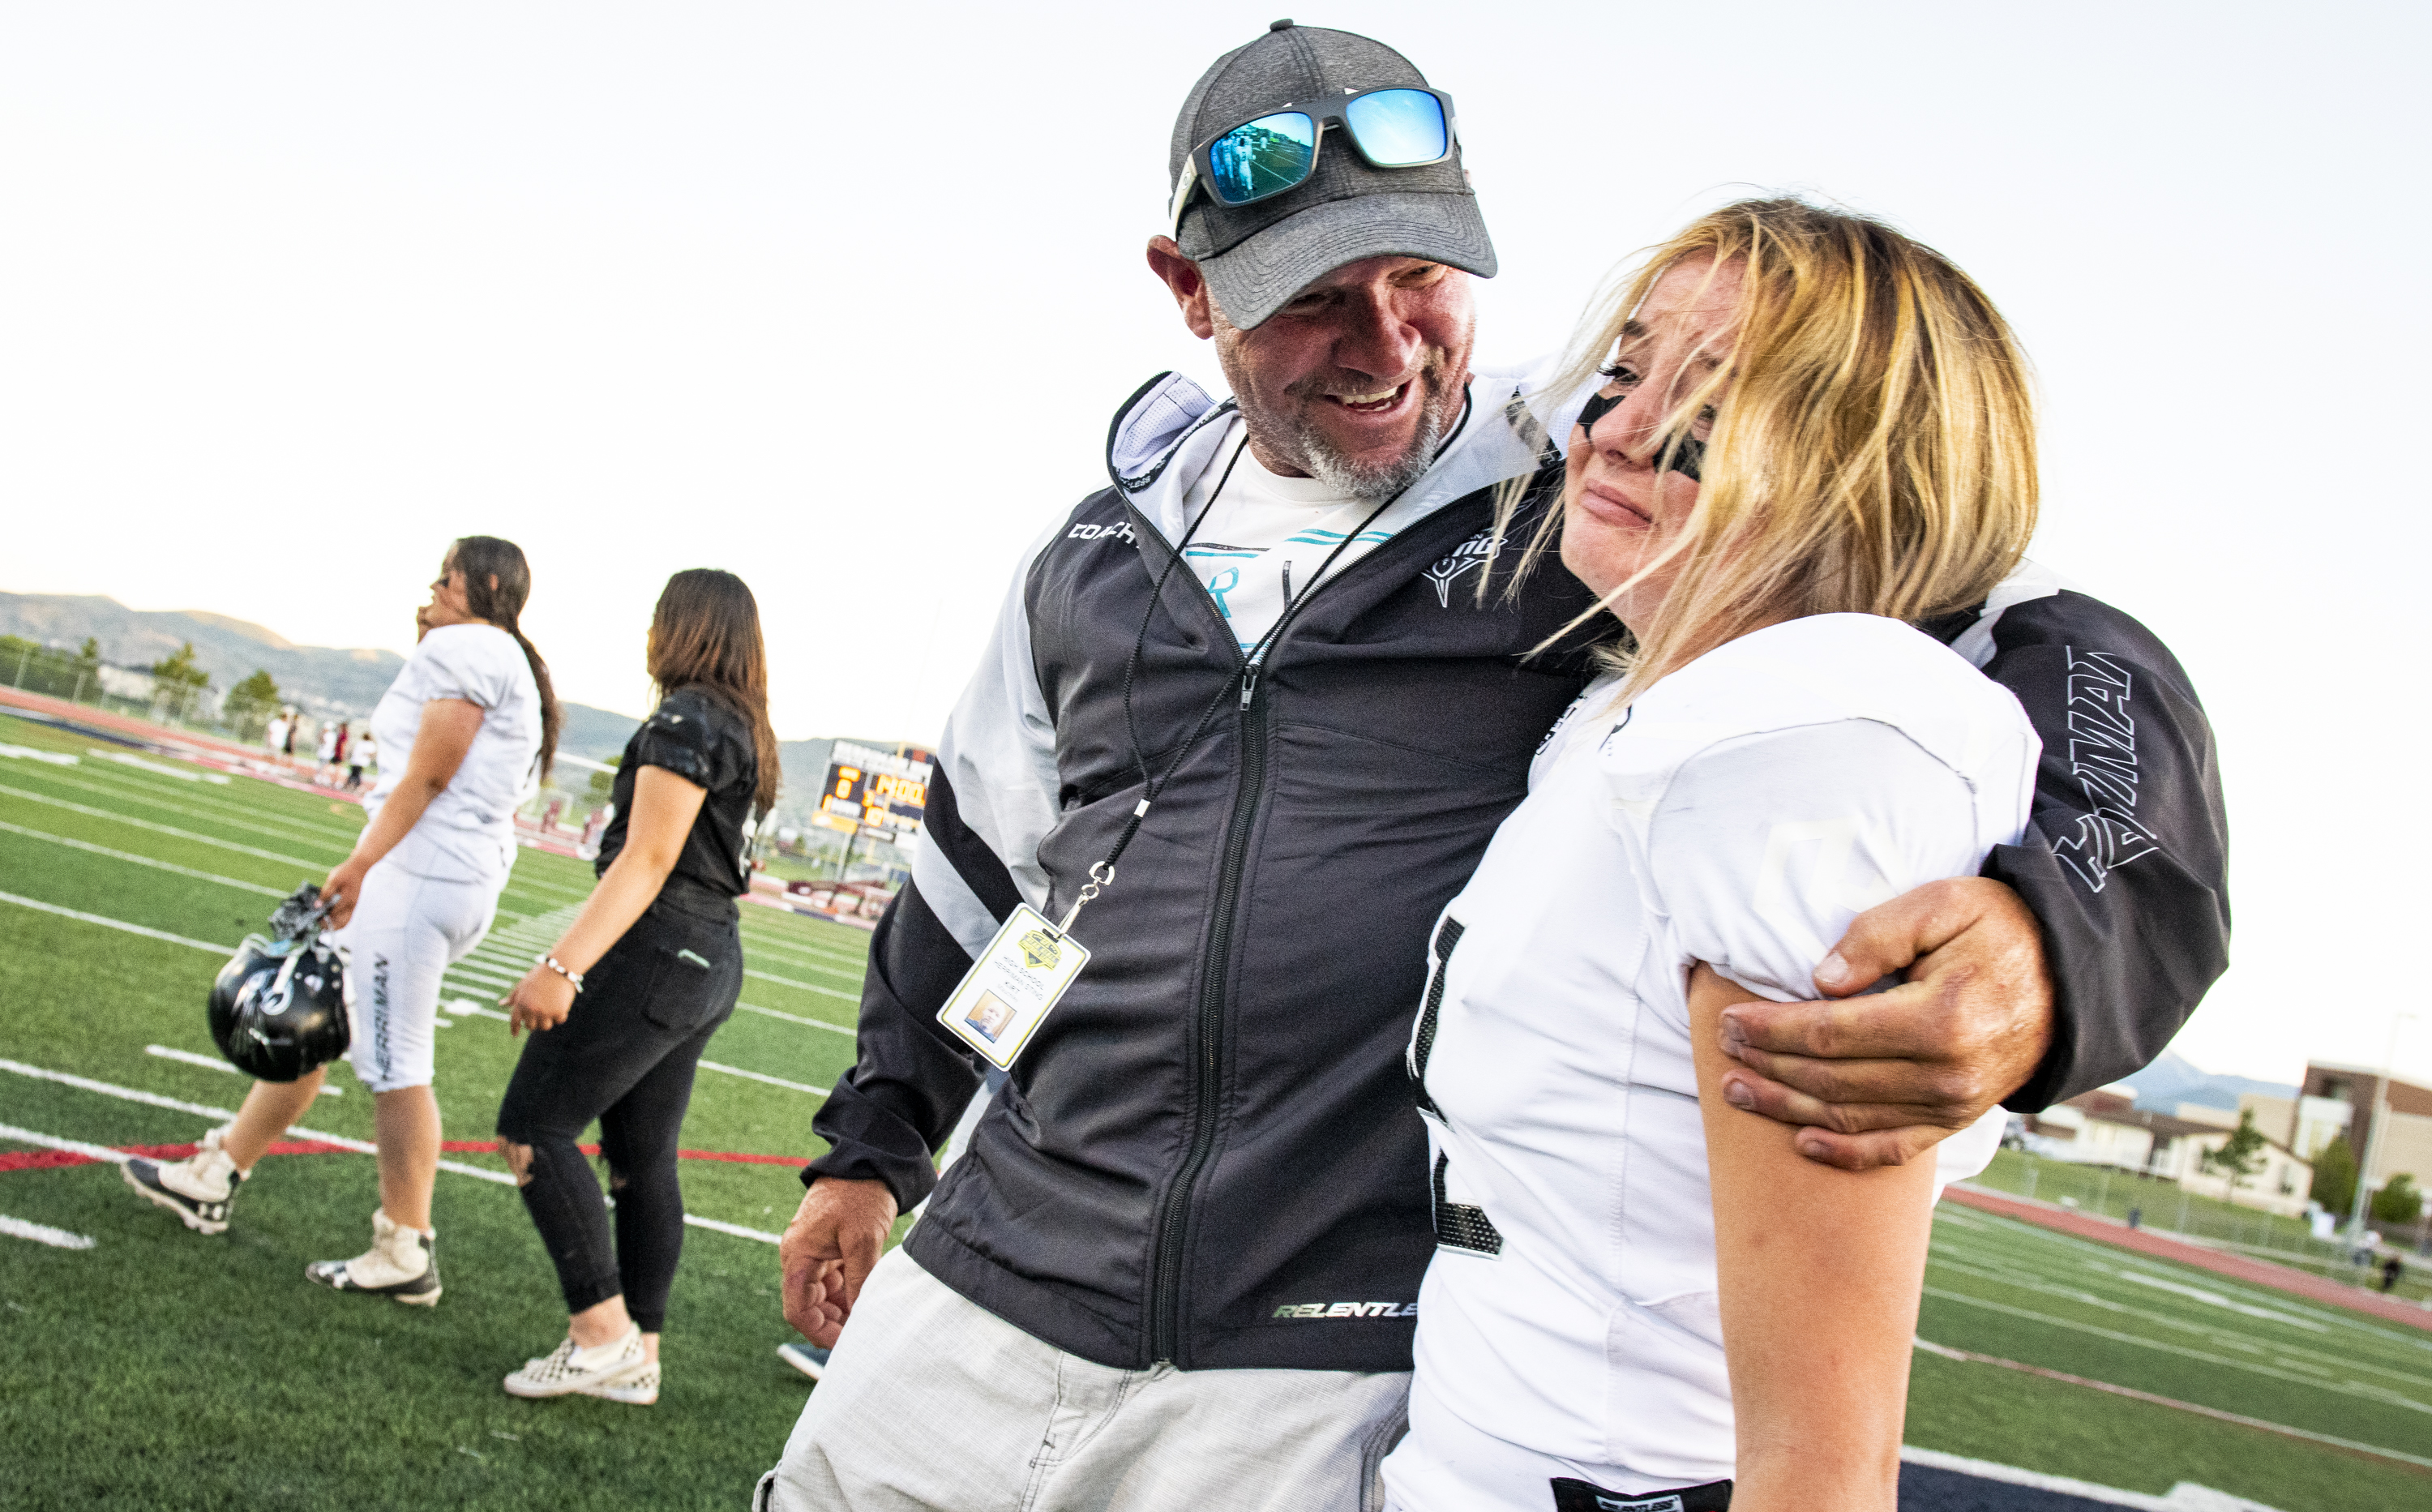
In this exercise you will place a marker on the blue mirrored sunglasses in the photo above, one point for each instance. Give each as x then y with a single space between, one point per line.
1397 127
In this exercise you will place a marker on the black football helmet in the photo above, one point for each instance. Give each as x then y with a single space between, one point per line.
282 1006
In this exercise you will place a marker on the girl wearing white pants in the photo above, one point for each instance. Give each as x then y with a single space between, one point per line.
473 710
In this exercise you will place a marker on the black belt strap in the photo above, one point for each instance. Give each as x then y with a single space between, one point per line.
1579 1496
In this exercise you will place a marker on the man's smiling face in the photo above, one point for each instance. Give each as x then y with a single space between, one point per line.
1356 379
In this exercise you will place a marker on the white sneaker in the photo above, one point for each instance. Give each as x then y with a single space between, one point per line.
618 1370
402 1263
641 1391
199 1189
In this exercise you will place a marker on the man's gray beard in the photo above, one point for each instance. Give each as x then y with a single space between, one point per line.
1377 480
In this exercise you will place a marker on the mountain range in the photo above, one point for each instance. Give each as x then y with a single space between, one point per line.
326 681
2174 1080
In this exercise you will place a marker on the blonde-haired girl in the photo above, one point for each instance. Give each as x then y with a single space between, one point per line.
1813 433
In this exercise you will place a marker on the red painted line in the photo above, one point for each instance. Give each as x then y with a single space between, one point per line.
490 1147
2236 1266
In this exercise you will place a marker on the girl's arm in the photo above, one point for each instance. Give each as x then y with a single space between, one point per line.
664 807
440 741
1820 1272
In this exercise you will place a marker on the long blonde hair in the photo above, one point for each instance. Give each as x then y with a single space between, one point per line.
1873 446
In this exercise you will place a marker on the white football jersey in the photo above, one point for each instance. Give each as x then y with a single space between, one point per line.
1740 813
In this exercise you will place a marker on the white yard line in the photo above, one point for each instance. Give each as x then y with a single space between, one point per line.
43 1234
141 860
214 1064
150 1099
162 829
193 805
116 923
453 1167
74 1147
1985 1470
57 758
775 1081
128 758
2359 1390
793 1018
788 981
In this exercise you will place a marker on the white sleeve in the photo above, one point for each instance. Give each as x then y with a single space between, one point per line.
1763 847
998 762
466 662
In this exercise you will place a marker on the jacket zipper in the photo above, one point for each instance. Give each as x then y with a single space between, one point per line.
1171 1234
1165 1292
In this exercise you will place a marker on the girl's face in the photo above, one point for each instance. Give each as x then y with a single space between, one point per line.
447 605
1619 513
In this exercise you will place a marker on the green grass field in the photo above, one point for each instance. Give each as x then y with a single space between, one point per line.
158 1368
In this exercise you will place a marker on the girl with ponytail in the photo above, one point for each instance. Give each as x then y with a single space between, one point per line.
465 732
633 992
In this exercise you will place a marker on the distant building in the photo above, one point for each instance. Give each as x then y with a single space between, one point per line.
2337 1099
2106 1128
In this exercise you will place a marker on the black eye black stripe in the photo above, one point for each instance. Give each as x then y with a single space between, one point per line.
1688 453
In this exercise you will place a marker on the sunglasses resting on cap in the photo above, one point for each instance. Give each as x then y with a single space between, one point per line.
1396 126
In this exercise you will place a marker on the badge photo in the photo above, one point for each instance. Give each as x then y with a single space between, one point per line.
1001 1001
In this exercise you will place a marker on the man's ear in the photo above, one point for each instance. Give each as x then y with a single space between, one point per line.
1189 285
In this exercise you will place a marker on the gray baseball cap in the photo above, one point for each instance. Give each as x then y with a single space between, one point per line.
1258 256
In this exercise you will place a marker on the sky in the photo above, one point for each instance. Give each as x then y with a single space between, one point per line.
841 297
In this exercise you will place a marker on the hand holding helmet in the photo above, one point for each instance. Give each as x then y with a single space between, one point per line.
281 1007
343 888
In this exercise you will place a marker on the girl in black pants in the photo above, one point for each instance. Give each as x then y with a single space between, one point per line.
631 994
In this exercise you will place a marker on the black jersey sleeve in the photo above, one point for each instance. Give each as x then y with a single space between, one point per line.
2126 858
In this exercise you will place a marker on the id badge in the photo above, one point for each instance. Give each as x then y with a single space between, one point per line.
1001 1000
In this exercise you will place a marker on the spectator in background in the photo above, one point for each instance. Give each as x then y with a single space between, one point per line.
274 735
326 755
360 758
2391 1269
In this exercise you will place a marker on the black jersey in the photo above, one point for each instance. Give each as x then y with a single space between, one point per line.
699 736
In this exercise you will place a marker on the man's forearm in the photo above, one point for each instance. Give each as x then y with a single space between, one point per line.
909 1084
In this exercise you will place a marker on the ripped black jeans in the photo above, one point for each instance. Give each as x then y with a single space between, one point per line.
625 1056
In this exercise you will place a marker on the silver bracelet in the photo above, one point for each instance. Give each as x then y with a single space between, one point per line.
544 958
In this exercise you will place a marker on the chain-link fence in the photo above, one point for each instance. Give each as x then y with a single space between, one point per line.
48 670
61 674
2155 1202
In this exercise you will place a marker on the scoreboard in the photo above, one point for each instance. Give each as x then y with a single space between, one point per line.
877 795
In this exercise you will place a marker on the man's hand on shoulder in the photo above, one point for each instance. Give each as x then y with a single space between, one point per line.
837 1236
1884 1078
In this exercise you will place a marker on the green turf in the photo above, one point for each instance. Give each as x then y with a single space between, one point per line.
163 1370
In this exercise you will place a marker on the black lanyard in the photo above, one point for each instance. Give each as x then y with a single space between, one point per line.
1103 873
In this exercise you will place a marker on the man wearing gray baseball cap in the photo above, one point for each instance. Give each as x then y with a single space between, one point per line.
1247 721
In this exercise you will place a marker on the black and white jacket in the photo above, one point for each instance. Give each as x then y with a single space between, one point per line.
1207 1154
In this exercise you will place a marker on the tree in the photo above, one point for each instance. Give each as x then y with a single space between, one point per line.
177 668
175 679
2239 1156
2335 1176
2400 1201
251 704
603 784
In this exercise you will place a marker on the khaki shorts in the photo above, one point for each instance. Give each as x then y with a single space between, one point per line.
931 1403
